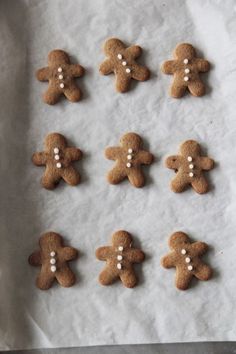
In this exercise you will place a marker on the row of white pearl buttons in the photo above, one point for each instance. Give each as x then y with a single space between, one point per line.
124 63
119 257
129 157
57 156
187 259
191 166
60 77
187 70
53 262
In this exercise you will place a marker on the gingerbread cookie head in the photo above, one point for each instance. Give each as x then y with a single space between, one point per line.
60 74
119 257
58 159
122 62
53 259
189 166
129 157
186 68
185 257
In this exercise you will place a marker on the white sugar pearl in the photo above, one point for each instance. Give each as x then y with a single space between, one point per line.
186 78
118 265
190 158
119 56
130 151
60 77
59 69
55 150
183 251
124 63
53 268
190 267
129 157
120 248
191 174
128 70
62 85
187 71
187 260
191 166
52 254
119 258
56 157
185 61
58 165
128 164
52 261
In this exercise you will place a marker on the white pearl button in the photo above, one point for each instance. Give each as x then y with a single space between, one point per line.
128 164
190 267
62 85
53 268
190 174
119 56
58 165
52 261
124 63
128 70
119 258
56 150
187 260
129 157
190 158
183 251
191 166
52 254
186 78
57 157
130 151
59 69
118 265
185 61
60 77
120 248
187 71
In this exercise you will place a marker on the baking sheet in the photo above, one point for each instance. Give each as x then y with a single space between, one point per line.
87 215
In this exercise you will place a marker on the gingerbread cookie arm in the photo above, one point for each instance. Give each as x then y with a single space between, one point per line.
69 253
145 157
169 67
113 153
135 255
206 163
199 248
128 278
140 73
173 162
106 67
103 253
43 74
73 154
35 259
169 261
76 70
203 65
39 158
134 51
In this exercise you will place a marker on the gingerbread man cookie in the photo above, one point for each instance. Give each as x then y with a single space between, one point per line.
61 75
58 158
185 257
129 157
186 68
121 62
119 257
189 166
53 258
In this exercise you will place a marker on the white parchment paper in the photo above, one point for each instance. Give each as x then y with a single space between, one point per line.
87 215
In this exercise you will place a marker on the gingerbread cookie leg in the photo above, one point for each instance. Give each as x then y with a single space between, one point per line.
50 181
65 277
122 83
128 278
200 185
71 176
197 88
204 272
52 95
45 280
179 183
107 276
116 175
182 278
177 90
136 178
73 93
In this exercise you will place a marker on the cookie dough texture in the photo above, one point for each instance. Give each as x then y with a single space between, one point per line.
53 259
189 166
121 61
186 68
185 257
119 258
129 157
57 158
60 74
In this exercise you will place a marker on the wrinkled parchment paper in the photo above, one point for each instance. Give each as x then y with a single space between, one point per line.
87 215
